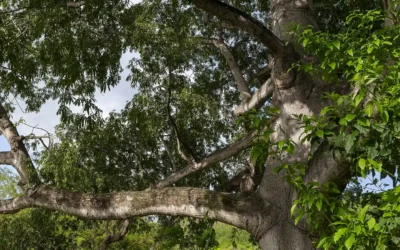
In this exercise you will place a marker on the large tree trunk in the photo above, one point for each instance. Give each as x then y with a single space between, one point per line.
294 95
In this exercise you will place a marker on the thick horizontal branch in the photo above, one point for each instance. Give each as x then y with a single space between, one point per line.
218 156
193 202
257 99
7 158
244 22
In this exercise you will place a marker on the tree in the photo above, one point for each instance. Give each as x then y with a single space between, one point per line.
322 110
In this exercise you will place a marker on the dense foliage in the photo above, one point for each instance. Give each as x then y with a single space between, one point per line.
52 51
362 126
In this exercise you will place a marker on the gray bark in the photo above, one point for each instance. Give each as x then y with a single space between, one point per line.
293 96
193 202
237 74
390 8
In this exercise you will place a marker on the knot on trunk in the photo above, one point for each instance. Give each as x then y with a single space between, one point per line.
283 74
15 141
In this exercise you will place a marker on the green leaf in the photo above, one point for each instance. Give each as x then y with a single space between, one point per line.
369 109
343 121
320 133
290 148
360 128
293 208
358 229
376 165
305 42
278 169
364 122
385 116
349 117
358 99
370 49
336 44
319 204
298 218
371 80
350 241
350 52
322 242
387 43
372 152
371 223
361 215
339 234
326 110
349 143
362 163
332 65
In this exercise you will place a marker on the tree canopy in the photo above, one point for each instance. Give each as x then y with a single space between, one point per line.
260 115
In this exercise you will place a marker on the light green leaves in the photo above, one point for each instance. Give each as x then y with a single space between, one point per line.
349 242
350 52
371 223
336 44
320 133
385 116
362 163
361 126
362 213
370 48
305 42
369 109
339 234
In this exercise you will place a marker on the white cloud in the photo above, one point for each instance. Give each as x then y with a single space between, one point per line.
46 118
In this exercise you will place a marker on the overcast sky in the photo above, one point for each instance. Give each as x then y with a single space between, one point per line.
115 99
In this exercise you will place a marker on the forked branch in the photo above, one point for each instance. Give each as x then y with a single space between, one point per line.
243 21
21 159
218 156
257 99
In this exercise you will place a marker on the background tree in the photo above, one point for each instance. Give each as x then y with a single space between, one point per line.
313 108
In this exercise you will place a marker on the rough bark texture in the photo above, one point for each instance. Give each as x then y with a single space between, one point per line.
239 210
390 8
293 96
264 213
